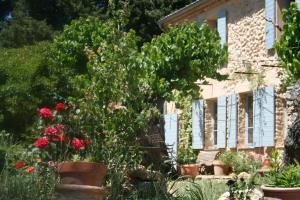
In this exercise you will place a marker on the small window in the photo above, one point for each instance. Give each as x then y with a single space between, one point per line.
249 118
215 122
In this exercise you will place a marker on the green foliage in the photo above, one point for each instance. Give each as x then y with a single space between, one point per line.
27 186
288 48
179 57
24 31
186 156
200 190
240 188
142 18
23 87
16 183
240 162
285 176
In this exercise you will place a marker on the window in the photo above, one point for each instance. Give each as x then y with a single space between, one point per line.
215 122
249 118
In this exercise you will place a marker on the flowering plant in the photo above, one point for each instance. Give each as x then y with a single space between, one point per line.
61 135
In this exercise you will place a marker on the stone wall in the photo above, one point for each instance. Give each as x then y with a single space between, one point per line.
280 119
246 45
292 140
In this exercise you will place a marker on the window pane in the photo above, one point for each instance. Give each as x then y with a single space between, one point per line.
250 118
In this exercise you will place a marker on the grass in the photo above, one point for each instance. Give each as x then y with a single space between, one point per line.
199 189
26 187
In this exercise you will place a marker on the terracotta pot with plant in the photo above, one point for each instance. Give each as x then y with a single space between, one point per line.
186 165
222 165
283 180
74 149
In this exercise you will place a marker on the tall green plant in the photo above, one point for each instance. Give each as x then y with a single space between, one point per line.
288 48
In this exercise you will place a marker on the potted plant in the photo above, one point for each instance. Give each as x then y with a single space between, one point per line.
186 165
74 148
283 180
222 166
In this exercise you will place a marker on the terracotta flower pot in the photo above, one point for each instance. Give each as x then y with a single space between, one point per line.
220 169
82 173
188 170
275 193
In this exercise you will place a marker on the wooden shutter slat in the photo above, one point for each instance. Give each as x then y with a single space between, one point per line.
232 121
222 26
270 14
221 140
197 124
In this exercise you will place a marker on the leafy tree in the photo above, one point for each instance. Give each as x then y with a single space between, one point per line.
142 17
288 48
23 31
179 57
144 14
23 86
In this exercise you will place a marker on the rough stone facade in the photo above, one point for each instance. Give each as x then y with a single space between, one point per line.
247 51
280 119
292 141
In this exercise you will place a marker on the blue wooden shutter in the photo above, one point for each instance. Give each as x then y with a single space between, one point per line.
269 26
257 119
171 133
197 124
264 117
232 121
222 26
268 129
221 140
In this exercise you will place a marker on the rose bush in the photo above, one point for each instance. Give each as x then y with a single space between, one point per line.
61 136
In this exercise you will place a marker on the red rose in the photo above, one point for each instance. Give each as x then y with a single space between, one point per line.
46 113
20 164
77 144
60 106
30 169
59 138
50 131
41 142
60 128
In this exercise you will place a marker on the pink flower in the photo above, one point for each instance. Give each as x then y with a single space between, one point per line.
41 142
50 131
77 144
46 113
60 106
52 164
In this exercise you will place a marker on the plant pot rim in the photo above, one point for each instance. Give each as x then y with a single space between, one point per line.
82 162
271 188
218 162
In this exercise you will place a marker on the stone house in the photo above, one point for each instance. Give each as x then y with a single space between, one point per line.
248 111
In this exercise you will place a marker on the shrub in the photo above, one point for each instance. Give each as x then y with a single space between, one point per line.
239 161
280 175
23 86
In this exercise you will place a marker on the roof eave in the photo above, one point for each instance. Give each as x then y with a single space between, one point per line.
179 12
